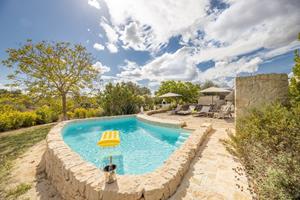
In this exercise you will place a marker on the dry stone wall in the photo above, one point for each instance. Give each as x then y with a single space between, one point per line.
256 91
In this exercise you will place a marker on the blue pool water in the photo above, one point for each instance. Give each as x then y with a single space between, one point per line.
144 146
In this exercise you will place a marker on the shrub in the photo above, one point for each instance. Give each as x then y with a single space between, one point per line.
13 119
29 118
16 119
80 113
92 112
6 108
268 143
10 120
46 115
70 115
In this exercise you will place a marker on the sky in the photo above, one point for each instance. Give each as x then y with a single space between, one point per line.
152 41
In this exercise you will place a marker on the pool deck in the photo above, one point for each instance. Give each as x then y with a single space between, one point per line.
214 173
194 122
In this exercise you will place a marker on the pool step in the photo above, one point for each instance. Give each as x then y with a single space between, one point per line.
184 134
178 143
182 139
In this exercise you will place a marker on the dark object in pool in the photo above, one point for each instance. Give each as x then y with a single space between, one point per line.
110 173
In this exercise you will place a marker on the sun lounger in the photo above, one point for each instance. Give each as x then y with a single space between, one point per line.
185 110
177 109
205 111
224 112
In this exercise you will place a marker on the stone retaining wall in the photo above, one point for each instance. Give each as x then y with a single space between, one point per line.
75 178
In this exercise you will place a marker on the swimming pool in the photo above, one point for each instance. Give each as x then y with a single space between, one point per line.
144 146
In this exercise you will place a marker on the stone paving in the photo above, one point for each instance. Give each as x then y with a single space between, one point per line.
212 174
195 122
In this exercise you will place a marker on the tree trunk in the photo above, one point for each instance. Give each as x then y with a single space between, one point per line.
64 106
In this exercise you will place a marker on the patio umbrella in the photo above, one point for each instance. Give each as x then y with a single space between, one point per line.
214 90
170 94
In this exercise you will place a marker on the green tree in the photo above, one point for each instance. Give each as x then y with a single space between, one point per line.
188 90
51 69
15 100
124 98
208 84
295 80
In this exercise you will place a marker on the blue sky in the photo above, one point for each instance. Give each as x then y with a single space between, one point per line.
151 41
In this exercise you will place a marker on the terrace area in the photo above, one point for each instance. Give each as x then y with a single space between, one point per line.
214 172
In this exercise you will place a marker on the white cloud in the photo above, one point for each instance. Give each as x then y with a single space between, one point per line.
148 25
166 67
130 70
282 50
2 86
135 36
239 33
181 66
112 47
228 37
175 66
247 26
94 3
243 27
105 77
274 24
161 19
111 35
101 68
98 46
229 69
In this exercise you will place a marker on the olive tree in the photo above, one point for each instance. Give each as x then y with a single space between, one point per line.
51 68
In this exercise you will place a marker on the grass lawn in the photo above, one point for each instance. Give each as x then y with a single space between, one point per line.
17 191
12 145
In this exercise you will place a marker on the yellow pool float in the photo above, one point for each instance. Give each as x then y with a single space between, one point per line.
109 139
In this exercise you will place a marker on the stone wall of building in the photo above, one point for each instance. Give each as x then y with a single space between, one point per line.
256 91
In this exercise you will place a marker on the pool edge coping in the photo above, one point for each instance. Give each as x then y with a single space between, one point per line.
72 176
